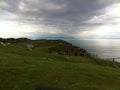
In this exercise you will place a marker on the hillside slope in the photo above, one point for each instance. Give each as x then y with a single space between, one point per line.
21 69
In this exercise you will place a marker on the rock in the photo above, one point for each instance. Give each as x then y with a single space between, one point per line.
5 44
30 47
2 43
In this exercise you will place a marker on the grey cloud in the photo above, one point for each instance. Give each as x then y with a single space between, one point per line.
66 15
10 5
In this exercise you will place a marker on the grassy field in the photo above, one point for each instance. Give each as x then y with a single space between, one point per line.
21 69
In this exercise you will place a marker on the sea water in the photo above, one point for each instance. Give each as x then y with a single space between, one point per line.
103 48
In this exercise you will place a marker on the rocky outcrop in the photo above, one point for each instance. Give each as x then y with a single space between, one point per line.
65 48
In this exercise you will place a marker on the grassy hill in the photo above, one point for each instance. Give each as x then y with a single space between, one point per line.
21 69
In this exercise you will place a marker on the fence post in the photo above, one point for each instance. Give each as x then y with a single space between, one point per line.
114 63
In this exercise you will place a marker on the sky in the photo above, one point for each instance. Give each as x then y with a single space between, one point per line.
83 19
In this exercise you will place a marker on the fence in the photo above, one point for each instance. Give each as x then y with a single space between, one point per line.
114 60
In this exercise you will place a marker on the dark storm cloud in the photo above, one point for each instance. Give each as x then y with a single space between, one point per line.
68 16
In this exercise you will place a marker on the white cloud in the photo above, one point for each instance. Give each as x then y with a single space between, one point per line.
111 14
14 29
105 25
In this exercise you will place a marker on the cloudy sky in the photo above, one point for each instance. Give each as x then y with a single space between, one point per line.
91 19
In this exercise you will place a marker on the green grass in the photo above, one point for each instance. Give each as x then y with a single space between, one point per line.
25 70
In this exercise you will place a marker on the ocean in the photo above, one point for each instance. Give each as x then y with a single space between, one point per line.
102 48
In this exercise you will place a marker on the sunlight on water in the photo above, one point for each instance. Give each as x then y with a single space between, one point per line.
103 48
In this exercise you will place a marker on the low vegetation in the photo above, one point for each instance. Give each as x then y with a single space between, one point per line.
54 64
